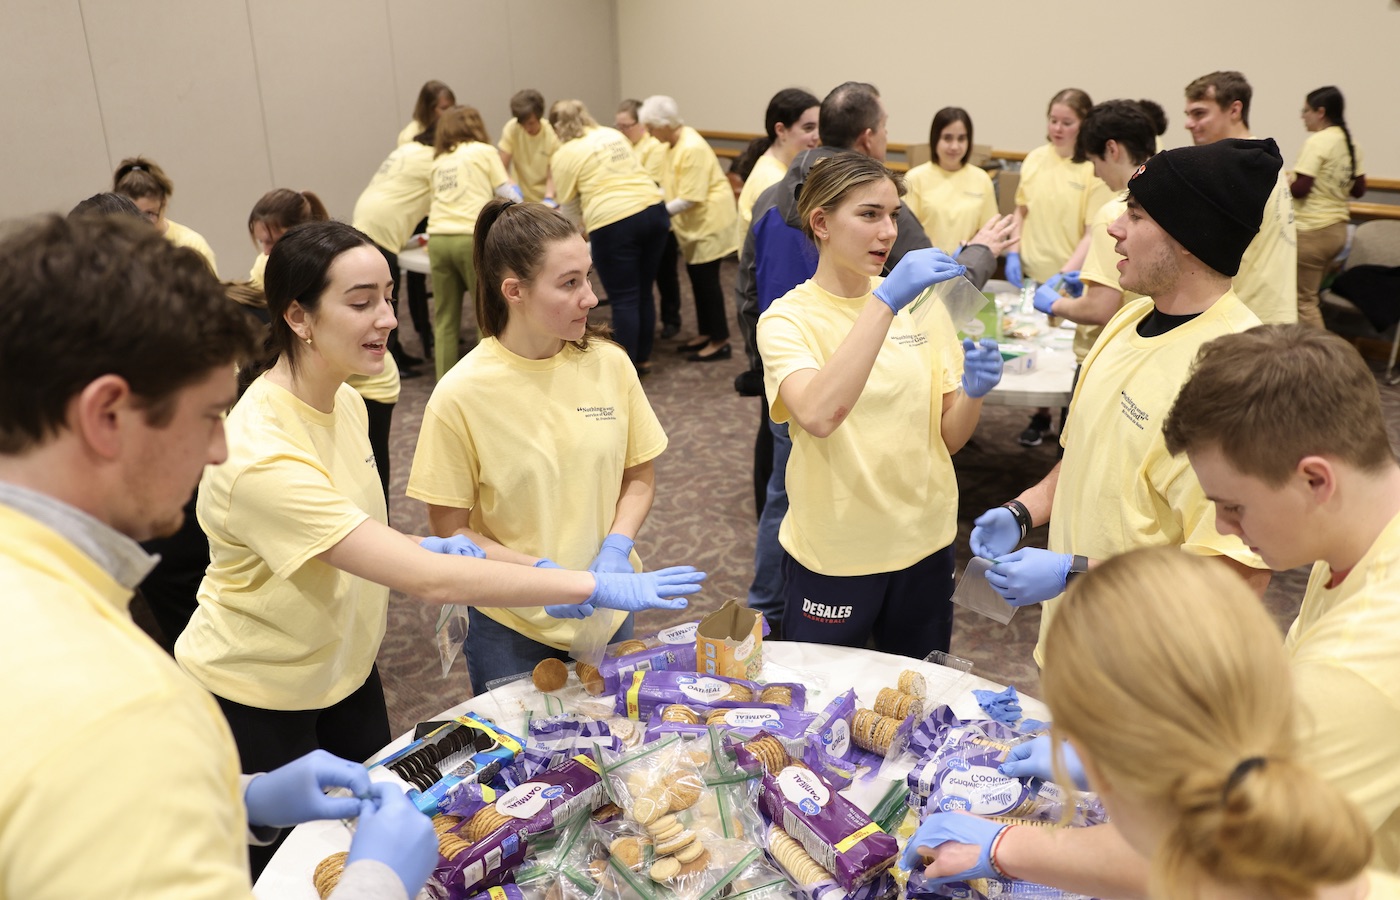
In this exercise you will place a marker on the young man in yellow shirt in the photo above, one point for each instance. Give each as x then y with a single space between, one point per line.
1283 427
1190 214
1217 107
138 346
528 141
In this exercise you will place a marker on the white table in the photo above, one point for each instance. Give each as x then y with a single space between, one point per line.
826 671
1051 381
414 258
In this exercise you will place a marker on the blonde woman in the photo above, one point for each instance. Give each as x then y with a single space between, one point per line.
623 216
1190 739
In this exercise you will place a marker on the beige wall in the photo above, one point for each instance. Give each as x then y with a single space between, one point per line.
235 97
1002 61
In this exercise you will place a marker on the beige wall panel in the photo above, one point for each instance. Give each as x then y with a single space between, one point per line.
175 81
326 76
464 43
1003 62
566 49
53 149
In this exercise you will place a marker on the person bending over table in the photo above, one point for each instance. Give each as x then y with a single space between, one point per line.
1191 740
292 609
572 481
147 185
140 347
876 403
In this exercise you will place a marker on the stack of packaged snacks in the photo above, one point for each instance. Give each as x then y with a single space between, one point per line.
698 694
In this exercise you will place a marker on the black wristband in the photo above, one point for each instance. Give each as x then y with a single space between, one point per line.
1078 565
1022 515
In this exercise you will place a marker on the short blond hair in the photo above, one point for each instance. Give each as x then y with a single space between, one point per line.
1269 396
570 119
1171 676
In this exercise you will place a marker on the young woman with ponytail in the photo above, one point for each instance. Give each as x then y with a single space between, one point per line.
1328 172
790 126
1190 739
540 442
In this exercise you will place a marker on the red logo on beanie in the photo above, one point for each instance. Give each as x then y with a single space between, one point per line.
1140 170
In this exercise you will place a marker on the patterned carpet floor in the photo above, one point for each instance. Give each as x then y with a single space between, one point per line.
704 516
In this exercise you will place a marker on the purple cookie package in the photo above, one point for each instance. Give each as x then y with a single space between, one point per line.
485 864
542 803
674 651
789 725
649 690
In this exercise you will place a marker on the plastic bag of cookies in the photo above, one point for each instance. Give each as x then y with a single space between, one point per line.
553 739
648 690
742 721
656 779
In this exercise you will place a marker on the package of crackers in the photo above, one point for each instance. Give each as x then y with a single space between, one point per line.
831 829
494 847
648 690
544 802
742 721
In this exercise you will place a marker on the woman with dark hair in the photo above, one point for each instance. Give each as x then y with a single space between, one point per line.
434 98
147 185
951 199
790 126
466 173
573 480
293 606
623 215
1328 173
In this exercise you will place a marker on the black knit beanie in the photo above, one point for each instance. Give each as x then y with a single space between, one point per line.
1210 198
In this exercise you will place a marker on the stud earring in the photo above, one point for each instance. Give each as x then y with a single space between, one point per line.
308 341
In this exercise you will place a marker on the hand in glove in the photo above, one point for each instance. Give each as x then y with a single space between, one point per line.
952 839
636 591
565 610
392 831
457 545
982 365
295 793
1032 759
613 555
915 272
994 533
1013 268
1030 575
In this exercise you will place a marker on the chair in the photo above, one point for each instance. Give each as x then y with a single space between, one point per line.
1376 243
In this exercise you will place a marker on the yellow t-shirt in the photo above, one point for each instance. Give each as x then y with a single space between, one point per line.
536 449
950 205
602 170
276 627
1119 488
1101 267
255 274
87 693
397 197
709 230
464 181
529 156
181 236
1383 885
878 494
767 172
1060 195
1268 278
410 131
651 153
1324 156
1344 651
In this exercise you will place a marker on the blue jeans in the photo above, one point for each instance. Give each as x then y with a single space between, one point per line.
627 255
766 592
494 651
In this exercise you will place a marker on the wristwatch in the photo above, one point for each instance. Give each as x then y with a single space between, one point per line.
1078 565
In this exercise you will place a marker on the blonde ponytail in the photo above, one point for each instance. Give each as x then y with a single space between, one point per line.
1168 672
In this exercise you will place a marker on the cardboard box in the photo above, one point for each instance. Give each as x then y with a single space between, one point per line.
729 642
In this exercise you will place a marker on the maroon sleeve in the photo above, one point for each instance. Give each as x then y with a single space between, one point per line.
1301 185
1358 187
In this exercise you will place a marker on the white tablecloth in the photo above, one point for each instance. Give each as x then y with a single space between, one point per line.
826 671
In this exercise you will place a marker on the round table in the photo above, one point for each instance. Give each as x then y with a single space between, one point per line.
826 671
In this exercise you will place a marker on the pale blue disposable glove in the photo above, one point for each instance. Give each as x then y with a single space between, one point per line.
392 831
565 610
1001 706
513 192
636 591
1045 297
613 556
457 545
942 828
1013 268
1032 759
550 202
994 533
982 366
1070 281
295 793
1029 575
915 272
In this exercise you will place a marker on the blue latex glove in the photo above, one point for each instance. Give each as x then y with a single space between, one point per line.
916 271
1013 268
550 202
982 366
636 591
566 610
1032 759
1029 575
295 793
457 545
1070 281
514 191
392 831
1045 297
994 533
1001 706
613 555
958 828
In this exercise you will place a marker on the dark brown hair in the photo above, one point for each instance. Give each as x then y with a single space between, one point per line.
104 295
284 208
458 125
138 177
1272 395
1228 85
512 239
941 120
298 268
1075 99
425 110
526 103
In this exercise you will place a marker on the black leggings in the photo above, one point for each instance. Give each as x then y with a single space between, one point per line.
356 728
710 317
381 418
